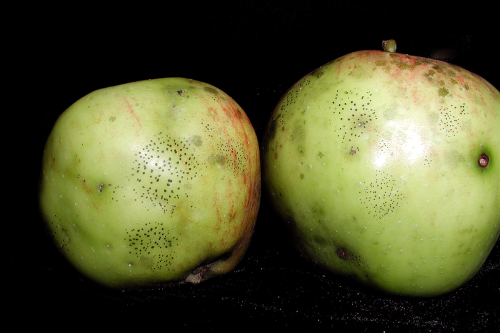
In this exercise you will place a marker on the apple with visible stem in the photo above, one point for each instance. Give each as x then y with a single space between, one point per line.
386 168
152 181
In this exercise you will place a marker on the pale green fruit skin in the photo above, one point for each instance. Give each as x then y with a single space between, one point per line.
151 182
372 160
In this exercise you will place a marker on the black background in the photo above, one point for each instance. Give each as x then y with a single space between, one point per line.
254 51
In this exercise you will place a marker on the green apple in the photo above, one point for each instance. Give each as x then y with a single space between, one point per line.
385 167
151 182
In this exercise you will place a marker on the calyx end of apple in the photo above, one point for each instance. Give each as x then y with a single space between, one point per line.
483 160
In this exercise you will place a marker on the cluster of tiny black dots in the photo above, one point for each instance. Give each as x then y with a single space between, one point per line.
354 112
160 169
277 124
449 120
382 145
381 197
345 254
354 150
462 109
208 129
214 93
292 95
148 240
232 155
63 240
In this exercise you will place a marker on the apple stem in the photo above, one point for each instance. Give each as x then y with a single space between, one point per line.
389 45
197 274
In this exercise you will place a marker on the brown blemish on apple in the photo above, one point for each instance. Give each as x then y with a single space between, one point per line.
317 73
211 90
343 254
130 110
86 187
483 160
217 159
196 140
443 92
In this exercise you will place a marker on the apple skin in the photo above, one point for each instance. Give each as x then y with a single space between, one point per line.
373 159
151 182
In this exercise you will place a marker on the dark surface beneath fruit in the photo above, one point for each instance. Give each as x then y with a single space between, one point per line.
272 287
254 51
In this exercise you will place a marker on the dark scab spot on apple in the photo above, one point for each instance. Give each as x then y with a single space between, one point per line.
321 241
403 66
349 256
317 73
196 140
443 92
298 135
231 155
483 160
211 90
217 159
452 73
438 68
343 254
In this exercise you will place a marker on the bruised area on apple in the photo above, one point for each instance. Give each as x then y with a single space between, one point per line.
152 182
377 160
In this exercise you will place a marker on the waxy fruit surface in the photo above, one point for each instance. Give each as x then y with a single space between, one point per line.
385 167
152 181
